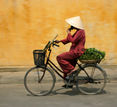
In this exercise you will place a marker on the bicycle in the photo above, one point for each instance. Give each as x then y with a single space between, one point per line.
40 80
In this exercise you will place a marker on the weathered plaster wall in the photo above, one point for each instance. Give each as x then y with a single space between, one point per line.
26 25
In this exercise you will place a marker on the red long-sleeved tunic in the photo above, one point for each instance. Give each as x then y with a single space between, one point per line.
67 60
77 40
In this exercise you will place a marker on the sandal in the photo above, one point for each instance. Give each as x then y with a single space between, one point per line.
74 72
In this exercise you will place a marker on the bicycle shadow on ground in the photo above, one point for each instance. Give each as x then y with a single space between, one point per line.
71 92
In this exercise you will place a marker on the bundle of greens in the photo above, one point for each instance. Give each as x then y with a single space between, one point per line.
92 54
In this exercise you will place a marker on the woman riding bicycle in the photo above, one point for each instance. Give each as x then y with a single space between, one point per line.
67 60
40 80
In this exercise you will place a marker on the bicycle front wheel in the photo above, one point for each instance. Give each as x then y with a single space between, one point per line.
97 80
39 82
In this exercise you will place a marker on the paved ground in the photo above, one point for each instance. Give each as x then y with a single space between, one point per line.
13 93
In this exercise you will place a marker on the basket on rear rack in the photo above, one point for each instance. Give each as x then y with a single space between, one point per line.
90 61
92 56
39 57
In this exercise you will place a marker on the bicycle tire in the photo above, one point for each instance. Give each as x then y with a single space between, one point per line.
39 83
99 79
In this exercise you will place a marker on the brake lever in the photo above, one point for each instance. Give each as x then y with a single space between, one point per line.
54 48
56 45
53 45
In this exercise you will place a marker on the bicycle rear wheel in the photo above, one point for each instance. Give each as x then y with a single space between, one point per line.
94 85
38 82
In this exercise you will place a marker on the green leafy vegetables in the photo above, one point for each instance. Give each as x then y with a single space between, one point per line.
92 54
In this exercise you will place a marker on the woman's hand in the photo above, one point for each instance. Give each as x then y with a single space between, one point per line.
57 41
68 31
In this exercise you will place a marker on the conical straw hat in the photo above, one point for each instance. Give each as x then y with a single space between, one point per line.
76 22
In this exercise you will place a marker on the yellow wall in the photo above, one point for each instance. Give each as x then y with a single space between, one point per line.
26 25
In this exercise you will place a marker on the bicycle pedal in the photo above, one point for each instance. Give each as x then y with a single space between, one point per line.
67 77
70 78
67 86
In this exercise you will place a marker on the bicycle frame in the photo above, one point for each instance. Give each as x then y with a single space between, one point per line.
55 68
52 65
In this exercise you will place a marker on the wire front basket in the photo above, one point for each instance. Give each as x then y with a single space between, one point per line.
39 57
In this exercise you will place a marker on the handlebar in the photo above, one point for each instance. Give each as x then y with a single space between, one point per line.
50 43
54 44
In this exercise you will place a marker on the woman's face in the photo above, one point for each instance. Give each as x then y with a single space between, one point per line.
73 28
